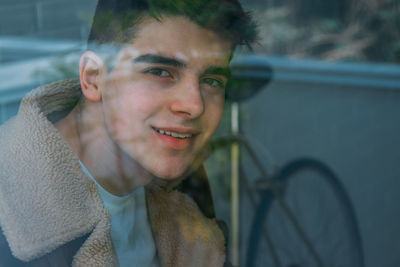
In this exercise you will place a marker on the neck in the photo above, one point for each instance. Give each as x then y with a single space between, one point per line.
85 131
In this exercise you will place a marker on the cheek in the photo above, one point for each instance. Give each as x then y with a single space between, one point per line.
117 112
215 112
211 120
128 111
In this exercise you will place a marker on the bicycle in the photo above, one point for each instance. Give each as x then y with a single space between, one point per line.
296 236
291 227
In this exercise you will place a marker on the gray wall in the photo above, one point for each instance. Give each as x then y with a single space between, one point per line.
347 116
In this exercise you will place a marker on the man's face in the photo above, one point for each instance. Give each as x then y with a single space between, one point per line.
164 99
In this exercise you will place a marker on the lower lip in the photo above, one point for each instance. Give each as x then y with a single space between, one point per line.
174 143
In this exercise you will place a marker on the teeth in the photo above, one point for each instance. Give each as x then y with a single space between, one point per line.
176 135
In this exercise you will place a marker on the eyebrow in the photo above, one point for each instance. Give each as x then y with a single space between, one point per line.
224 71
158 59
149 58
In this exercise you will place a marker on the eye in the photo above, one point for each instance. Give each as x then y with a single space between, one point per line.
213 82
158 72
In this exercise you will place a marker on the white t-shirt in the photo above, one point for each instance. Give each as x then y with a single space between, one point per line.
130 229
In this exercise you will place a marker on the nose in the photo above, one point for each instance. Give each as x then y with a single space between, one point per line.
187 100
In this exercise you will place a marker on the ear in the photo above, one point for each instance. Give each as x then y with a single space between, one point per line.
92 74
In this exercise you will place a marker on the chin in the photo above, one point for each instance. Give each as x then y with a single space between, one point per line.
172 171
171 175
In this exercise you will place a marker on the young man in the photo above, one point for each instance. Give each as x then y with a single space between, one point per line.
90 169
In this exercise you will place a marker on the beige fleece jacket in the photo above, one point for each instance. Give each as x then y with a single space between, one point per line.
46 200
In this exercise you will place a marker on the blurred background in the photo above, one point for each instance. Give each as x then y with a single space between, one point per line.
334 96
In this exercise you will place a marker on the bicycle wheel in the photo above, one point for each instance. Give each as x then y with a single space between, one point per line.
308 221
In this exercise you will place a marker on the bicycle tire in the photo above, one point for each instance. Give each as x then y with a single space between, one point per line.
332 230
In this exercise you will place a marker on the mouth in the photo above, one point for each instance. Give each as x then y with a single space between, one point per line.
175 134
176 138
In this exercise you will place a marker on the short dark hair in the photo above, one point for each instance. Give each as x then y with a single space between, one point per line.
114 20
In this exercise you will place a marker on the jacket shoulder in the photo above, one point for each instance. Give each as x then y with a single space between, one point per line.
61 257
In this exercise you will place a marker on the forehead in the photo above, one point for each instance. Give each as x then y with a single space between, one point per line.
178 37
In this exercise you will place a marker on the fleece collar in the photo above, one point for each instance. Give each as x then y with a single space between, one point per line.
45 199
